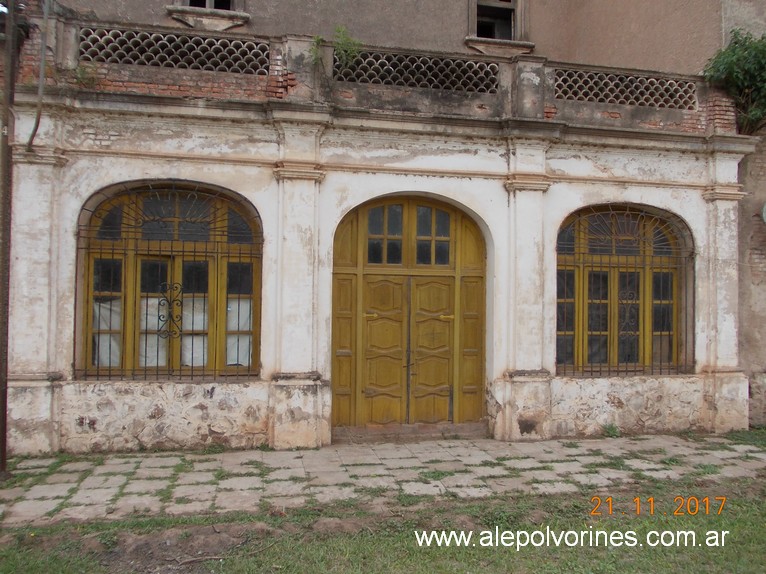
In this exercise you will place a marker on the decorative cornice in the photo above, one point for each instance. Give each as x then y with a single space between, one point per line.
291 170
41 157
724 192
527 182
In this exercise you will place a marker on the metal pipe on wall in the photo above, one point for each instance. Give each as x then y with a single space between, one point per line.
6 169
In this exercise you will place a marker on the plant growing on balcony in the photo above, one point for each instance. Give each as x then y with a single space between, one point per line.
740 70
346 48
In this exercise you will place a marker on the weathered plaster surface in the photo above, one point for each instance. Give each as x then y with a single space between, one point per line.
568 407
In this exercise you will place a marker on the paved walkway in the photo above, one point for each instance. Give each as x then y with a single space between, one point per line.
115 486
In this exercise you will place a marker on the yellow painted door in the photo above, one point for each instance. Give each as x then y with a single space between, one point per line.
431 349
408 349
384 336
408 315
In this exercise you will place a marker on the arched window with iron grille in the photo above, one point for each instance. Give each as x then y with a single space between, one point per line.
624 289
171 285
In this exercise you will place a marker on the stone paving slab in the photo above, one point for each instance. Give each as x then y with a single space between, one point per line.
120 486
100 496
145 486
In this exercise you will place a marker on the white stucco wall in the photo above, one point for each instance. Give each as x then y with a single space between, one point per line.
302 174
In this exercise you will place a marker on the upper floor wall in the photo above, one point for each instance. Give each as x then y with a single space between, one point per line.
677 36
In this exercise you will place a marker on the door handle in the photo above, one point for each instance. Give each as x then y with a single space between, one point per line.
445 317
370 315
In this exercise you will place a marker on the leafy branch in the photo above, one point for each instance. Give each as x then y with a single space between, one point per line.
740 70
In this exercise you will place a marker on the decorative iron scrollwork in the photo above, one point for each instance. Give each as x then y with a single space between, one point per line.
170 310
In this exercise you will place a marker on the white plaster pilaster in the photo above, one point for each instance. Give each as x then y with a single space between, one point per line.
297 268
722 278
528 283
34 265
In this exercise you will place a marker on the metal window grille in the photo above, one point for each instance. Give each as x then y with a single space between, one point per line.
625 295
172 286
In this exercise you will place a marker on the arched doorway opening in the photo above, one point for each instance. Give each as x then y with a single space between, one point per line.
408 315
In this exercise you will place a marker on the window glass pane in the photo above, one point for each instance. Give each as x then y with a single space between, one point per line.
152 350
193 230
627 234
107 313
157 230
159 206
154 276
238 229
565 316
566 240
598 285
662 243
111 224
424 221
597 349
662 317
442 223
106 350
565 350
222 5
627 349
598 317
424 253
194 316
195 276
238 350
239 314
442 252
662 348
240 279
395 220
662 286
565 283
628 286
375 221
394 253
107 275
599 235
374 251
193 350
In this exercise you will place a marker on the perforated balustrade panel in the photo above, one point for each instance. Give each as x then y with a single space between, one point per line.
167 50
414 71
631 90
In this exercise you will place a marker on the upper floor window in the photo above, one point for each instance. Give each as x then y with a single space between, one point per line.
212 4
624 294
496 19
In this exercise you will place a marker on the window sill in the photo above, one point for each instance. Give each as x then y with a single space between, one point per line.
208 19
494 47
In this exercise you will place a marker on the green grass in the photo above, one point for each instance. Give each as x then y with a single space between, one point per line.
385 542
755 437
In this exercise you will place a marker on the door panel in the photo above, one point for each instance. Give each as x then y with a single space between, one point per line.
431 351
384 342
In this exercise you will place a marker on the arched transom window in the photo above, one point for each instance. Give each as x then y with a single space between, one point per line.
172 285
624 294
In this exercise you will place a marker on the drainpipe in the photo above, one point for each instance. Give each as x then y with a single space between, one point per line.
6 169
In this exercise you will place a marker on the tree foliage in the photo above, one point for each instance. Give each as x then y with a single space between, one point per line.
740 70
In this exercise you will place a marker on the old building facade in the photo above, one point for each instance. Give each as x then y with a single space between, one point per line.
226 231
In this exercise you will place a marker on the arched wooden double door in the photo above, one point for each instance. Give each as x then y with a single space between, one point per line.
408 315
